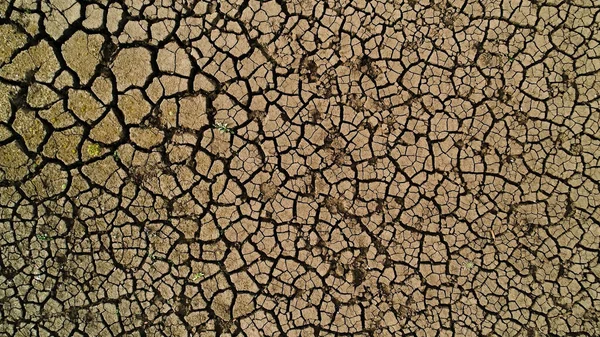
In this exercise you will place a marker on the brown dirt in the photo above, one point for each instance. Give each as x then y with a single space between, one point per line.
299 168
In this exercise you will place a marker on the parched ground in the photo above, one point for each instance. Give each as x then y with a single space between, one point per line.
299 168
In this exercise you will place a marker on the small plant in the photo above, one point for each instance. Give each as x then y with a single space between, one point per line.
151 255
43 237
222 127
197 276
93 149
510 58
468 265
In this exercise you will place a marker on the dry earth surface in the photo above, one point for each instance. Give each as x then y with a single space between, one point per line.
299 168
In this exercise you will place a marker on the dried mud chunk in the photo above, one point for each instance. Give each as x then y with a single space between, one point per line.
188 227
161 30
6 94
4 133
10 41
63 145
179 153
134 106
243 306
93 16
114 17
38 61
201 82
167 110
170 84
12 162
217 142
129 245
174 326
39 95
57 116
102 87
30 128
221 304
243 282
192 112
59 15
82 53
84 105
246 163
173 59
108 130
63 81
146 137
132 67
209 231
268 190
134 31
104 173
568 41
235 44
47 183
203 163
